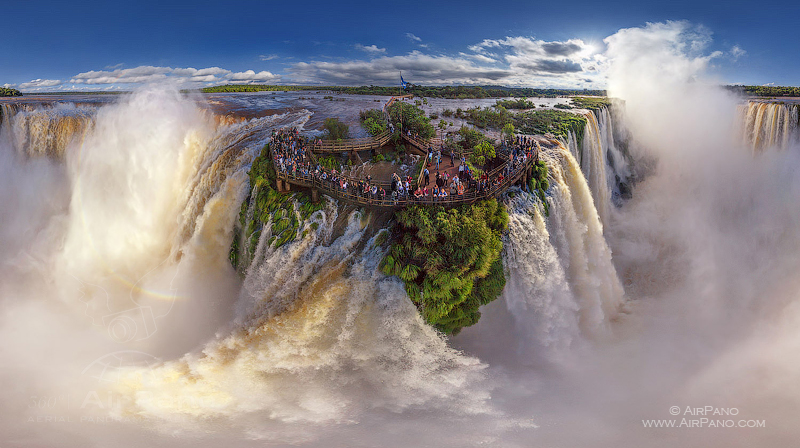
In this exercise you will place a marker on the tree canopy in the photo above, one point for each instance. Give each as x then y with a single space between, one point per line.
449 260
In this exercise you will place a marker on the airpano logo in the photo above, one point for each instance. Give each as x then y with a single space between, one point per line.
705 417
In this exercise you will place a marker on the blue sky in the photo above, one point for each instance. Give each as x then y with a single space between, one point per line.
119 45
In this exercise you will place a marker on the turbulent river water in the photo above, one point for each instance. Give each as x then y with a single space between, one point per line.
122 320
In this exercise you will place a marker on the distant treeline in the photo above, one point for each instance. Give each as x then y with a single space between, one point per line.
766 90
5 91
461 92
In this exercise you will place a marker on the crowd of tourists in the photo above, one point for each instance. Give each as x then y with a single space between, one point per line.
291 156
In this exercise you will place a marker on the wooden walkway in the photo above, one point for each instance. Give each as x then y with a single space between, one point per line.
352 144
332 189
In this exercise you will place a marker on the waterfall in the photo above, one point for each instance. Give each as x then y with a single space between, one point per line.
321 336
593 163
604 165
767 125
537 293
576 232
45 130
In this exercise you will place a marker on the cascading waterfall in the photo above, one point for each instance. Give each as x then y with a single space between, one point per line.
46 130
576 232
593 163
321 335
766 125
537 293
602 162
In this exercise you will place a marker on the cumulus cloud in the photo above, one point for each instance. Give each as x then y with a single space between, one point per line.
528 56
416 67
32 84
370 49
514 61
146 74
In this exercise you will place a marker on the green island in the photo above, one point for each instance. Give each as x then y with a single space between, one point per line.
7 91
449 258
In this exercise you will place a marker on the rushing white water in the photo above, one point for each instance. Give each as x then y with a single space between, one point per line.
767 125
537 292
603 164
45 131
577 235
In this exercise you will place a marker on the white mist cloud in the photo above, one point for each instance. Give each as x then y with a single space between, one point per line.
413 37
268 57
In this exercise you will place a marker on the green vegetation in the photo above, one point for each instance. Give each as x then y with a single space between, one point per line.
404 116
557 122
470 138
591 103
269 204
372 120
539 184
562 106
6 91
461 92
329 162
488 117
335 129
508 132
449 260
482 152
775 91
521 103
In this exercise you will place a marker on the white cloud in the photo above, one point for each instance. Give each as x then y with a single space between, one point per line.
249 76
370 48
737 52
416 67
413 37
268 57
38 83
191 76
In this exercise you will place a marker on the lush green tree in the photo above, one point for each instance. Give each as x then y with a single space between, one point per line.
7 91
508 132
449 260
483 152
335 129
408 117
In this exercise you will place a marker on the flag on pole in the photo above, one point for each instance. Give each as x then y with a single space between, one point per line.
402 81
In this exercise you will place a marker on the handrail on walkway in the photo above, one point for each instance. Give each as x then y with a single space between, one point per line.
368 200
